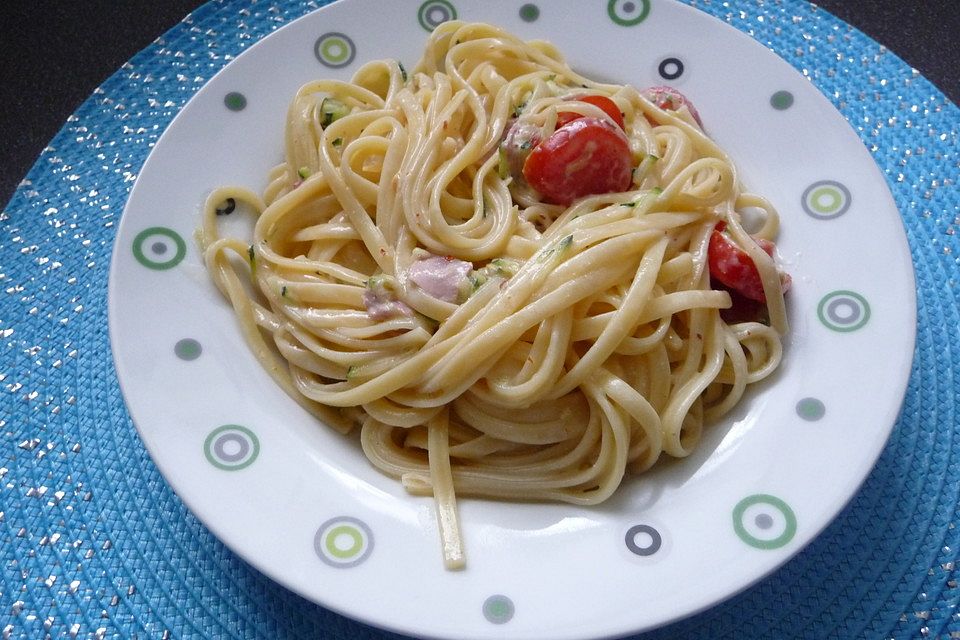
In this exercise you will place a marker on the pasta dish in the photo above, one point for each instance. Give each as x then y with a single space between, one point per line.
516 282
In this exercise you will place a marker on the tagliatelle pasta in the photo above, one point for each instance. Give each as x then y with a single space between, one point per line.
508 285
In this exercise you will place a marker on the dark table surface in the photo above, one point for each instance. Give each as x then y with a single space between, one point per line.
53 54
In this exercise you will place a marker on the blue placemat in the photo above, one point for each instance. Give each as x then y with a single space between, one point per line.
94 543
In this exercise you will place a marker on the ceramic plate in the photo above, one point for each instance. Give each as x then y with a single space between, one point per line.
302 504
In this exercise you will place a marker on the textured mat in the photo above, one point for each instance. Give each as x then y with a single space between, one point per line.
94 544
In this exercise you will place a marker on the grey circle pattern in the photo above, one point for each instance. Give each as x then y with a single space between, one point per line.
656 540
221 451
433 13
843 311
345 48
670 68
763 521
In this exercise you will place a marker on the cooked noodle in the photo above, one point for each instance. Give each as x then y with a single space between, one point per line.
585 341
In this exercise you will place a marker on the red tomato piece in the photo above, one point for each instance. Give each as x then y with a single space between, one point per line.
603 102
669 99
583 157
733 267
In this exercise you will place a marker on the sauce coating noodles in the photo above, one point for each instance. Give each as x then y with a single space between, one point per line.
403 278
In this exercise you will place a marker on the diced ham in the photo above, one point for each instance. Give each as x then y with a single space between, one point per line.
520 139
381 304
669 99
439 276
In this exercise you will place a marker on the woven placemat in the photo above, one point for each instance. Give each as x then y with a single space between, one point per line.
94 543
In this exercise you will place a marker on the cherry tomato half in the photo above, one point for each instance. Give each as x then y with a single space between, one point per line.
603 102
733 267
583 157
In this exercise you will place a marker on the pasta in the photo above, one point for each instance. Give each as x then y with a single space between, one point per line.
408 277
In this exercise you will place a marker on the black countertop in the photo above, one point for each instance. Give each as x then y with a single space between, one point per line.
54 53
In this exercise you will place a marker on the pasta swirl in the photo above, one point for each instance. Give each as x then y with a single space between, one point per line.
403 278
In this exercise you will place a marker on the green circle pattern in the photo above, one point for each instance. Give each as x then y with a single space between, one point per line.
153 254
826 199
781 100
628 13
235 101
827 311
213 447
529 12
834 200
335 50
328 547
343 530
428 16
811 409
187 349
774 503
498 609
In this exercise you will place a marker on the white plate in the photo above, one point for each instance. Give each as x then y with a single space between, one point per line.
302 504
